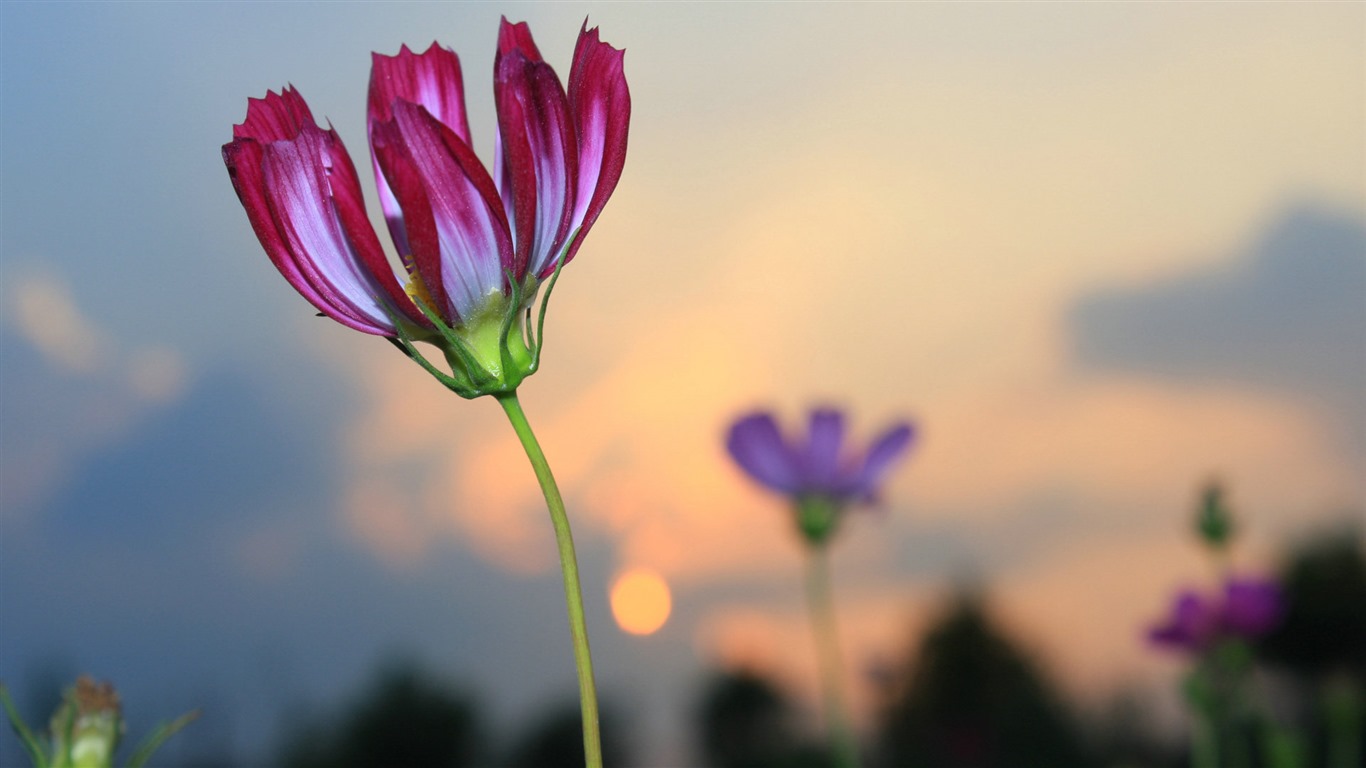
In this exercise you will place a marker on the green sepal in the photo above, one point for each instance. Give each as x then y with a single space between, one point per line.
475 368
158 736
457 346
818 518
472 375
458 379
545 301
504 352
407 348
31 744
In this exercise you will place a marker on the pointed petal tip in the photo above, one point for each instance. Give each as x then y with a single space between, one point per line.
516 37
274 116
591 36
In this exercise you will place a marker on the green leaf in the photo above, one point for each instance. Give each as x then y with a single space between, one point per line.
157 737
32 746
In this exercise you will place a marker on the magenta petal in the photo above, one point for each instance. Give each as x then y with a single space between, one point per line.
600 109
349 203
420 236
758 447
298 187
431 80
296 180
538 157
439 182
243 159
515 37
277 117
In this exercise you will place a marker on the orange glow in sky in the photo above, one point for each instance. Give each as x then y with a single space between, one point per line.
640 601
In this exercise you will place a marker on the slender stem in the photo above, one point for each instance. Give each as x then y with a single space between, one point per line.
821 606
1206 739
1343 705
569 567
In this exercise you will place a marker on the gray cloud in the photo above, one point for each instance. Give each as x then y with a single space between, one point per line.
138 567
1287 315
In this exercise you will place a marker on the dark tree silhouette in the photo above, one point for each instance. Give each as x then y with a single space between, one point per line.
744 721
555 740
403 721
1324 629
972 700
1321 643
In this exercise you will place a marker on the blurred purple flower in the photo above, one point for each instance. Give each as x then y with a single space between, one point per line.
818 464
1252 607
1193 623
1247 609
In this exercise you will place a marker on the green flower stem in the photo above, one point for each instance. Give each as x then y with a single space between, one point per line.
1206 746
821 606
569 566
1343 709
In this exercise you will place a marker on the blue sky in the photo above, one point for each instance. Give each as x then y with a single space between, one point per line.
1098 251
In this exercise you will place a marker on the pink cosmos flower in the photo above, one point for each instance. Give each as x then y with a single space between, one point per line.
1247 609
469 241
819 471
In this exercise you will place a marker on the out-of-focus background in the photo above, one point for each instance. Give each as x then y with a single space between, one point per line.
1101 253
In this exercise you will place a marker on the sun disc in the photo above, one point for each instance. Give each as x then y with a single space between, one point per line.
640 600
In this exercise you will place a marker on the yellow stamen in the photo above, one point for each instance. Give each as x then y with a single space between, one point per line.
416 288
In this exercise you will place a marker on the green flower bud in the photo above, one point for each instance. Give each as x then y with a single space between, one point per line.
1213 521
87 727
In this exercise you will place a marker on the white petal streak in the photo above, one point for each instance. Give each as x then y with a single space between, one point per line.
594 130
295 175
470 268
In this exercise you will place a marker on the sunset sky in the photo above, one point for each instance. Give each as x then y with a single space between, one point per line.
1099 252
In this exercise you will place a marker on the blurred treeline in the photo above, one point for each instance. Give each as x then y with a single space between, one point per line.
966 696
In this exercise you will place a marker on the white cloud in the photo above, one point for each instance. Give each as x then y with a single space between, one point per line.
90 391
46 315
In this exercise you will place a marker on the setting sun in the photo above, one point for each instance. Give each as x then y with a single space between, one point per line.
640 601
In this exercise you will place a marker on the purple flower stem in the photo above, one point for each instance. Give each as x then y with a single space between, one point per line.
821 606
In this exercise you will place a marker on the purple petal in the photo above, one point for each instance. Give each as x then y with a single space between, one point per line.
758 447
431 80
881 456
1191 625
821 461
452 211
538 156
301 194
600 108
1251 607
